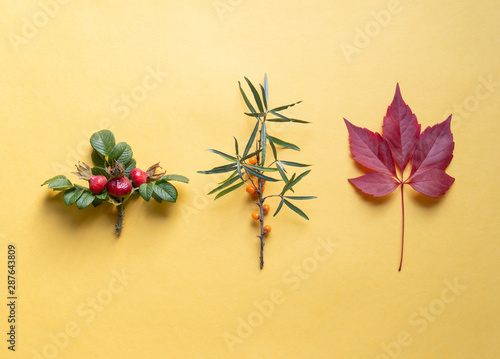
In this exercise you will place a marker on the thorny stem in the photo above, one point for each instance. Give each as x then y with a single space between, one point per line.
121 215
403 224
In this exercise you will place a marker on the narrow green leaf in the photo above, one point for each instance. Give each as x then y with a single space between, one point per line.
122 153
85 199
97 171
236 147
273 147
220 169
296 209
131 165
294 164
255 95
234 174
249 105
251 139
279 207
177 178
298 121
288 185
60 184
301 198
72 195
256 114
302 175
282 143
224 185
260 168
264 99
230 189
281 108
250 155
266 88
97 158
282 172
146 190
260 175
103 142
223 155
263 142
55 178
165 190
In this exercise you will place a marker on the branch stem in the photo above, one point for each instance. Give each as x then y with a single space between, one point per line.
403 226
121 215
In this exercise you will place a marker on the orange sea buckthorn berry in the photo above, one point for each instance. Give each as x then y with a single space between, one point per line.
266 208
267 229
252 160
250 189
256 216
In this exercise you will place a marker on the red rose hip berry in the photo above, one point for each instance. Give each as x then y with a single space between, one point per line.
138 177
119 187
97 184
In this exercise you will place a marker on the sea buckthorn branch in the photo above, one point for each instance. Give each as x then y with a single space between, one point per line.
115 178
250 169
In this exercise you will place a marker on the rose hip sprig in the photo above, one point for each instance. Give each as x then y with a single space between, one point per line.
115 178
249 166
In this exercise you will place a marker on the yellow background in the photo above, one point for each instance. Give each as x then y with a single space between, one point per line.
191 268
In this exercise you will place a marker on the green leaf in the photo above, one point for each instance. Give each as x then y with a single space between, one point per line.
102 195
223 155
131 165
250 155
122 153
263 142
296 209
234 174
282 143
157 198
97 158
302 175
288 185
273 147
55 178
260 175
281 108
301 198
230 189
165 190
146 190
264 99
103 142
177 178
279 207
60 184
251 139
282 172
255 95
256 114
294 164
236 147
264 169
97 171
249 105
266 88
224 185
220 169
72 195
97 201
238 169
284 118
85 199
